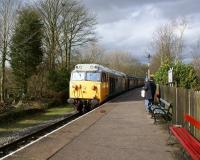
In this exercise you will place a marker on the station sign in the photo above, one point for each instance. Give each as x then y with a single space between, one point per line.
170 75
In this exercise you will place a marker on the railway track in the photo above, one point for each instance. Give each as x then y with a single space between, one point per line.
19 143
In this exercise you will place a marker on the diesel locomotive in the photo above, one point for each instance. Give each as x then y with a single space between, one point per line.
93 84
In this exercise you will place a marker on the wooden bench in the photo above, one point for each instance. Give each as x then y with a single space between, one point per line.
189 143
163 110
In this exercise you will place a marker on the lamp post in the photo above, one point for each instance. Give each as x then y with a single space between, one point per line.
148 72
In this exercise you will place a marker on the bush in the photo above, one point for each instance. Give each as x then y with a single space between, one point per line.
59 99
161 76
59 84
184 75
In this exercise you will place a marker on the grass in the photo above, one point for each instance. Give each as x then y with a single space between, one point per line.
34 119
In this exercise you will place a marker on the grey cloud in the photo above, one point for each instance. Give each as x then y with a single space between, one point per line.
108 4
113 10
128 25
180 8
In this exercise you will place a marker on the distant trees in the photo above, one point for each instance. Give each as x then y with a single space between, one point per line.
118 60
125 62
26 48
92 54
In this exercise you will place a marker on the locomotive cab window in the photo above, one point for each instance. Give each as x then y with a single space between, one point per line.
93 76
78 76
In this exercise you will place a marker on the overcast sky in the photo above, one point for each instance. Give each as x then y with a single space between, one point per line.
128 25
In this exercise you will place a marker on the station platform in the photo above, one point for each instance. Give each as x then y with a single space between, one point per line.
120 129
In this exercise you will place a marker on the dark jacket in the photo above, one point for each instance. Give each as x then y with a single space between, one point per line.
150 88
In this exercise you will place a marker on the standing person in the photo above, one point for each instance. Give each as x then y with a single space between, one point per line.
150 88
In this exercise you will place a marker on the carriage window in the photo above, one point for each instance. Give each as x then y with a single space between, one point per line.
78 76
92 76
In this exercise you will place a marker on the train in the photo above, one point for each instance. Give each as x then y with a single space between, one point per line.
93 84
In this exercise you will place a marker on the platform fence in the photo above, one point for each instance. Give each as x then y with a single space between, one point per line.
184 101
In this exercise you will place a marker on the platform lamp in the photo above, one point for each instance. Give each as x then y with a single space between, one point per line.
148 56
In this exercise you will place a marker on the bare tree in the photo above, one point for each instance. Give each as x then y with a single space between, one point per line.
179 27
50 11
164 42
168 43
196 58
8 9
78 27
155 62
67 26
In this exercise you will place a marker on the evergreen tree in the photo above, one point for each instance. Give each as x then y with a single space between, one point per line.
26 48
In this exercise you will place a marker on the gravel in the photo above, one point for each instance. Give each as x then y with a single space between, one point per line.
9 137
